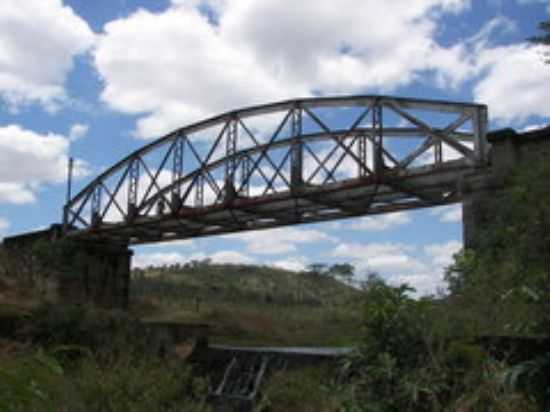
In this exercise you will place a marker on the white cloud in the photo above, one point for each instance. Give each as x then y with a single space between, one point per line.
280 240
38 41
15 193
262 51
142 260
29 159
231 257
512 94
448 214
400 263
78 131
385 258
381 223
441 255
531 127
293 263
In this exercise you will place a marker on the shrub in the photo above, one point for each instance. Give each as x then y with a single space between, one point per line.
38 382
406 363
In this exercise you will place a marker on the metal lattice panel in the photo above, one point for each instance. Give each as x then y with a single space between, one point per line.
297 161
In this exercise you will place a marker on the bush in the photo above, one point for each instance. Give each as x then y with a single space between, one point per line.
38 382
108 332
406 363
300 391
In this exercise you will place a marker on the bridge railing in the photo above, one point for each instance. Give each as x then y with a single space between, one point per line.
285 147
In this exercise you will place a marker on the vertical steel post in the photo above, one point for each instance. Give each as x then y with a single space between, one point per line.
362 155
199 191
96 204
133 187
177 171
69 178
480 120
231 161
231 149
69 189
245 170
296 154
377 131
438 152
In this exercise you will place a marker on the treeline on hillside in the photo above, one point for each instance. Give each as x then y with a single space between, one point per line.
202 280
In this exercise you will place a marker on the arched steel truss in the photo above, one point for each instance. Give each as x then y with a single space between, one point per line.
290 162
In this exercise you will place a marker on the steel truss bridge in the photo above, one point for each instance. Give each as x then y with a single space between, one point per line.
285 163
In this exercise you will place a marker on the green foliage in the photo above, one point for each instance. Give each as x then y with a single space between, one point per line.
303 390
138 384
390 320
505 285
544 26
53 325
94 360
217 283
532 378
510 265
29 385
39 382
408 361
344 271
544 38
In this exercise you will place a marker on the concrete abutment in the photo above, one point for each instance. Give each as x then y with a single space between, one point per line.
97 273
480 192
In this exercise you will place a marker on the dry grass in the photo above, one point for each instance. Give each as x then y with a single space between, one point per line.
265 324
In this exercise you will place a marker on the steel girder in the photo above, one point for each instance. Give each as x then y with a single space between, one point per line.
290 162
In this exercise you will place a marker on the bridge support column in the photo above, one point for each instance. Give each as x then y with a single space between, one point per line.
475 214
480 193
98 274
82 271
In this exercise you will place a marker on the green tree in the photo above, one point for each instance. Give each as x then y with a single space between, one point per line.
318 269
511 263
544 38
505 283
344 271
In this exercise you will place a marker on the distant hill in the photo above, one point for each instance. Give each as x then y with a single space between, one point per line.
207 281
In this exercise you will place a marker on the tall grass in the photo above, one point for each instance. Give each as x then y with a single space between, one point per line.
84 359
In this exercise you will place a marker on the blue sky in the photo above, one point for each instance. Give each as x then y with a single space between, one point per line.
96 80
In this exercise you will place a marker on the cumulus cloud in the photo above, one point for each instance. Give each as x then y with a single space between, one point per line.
512 94
231 257
448 214
78 131
381 223
441 255
280 240
253 52
532 127
15 193
423 268
379 257
142 260
38 42
29 159
292 263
